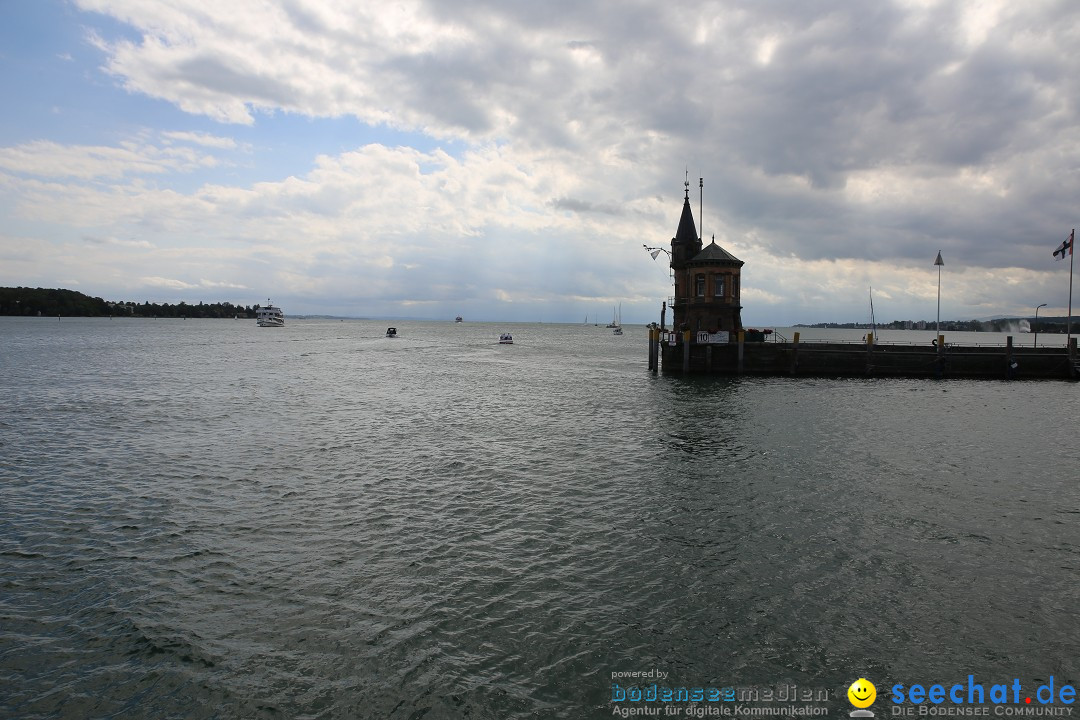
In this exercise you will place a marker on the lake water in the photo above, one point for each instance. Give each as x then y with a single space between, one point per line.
206 519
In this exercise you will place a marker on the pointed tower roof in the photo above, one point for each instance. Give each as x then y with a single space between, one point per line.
687 232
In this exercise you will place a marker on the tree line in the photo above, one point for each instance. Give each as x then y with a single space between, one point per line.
70 303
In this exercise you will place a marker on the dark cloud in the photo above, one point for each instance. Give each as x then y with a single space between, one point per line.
584 206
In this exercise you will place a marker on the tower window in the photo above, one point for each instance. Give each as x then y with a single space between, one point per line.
718 285
700 285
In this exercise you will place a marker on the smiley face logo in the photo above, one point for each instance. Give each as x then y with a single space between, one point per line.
862 693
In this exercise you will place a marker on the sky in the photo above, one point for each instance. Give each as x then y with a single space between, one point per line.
508 160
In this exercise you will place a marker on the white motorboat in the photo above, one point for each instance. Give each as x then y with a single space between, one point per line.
269 316
506 339
391 332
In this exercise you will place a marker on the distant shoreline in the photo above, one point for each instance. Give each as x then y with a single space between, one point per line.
46 302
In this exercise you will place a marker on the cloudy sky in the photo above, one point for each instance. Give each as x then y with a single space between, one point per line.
507 159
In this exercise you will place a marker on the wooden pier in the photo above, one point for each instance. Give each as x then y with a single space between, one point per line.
701 353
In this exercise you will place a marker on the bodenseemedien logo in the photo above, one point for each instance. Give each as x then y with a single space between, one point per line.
862 694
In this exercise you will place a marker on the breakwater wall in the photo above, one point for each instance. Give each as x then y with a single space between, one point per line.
683 352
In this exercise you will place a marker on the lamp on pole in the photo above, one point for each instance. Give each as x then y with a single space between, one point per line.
1037 323
655 251
939 262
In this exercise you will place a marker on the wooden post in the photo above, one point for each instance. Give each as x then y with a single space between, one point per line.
1072 357
742 342
686 351
708 357
794 354
869 353
1009 370
656 350
652 348
939 364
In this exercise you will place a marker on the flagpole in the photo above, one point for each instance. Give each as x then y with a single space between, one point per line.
1068 323
939 262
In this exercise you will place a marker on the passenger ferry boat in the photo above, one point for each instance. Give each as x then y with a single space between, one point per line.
269 316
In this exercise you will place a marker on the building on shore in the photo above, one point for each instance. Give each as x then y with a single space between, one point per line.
707 335
706 280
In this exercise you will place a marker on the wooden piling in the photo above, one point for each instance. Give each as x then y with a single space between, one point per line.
652 348
794 354
939 363
655 348
686 351
742 341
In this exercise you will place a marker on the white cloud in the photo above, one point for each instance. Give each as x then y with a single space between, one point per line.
204 139
169 283
211 284
47 159
144 244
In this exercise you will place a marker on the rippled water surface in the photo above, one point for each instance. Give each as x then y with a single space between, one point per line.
205 519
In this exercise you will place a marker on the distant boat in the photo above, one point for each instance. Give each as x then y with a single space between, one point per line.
506 339
270 316
873 321
458 319
618 321
614 319
391 332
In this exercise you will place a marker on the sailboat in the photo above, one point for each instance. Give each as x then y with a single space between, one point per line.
873 323
614 318
618 321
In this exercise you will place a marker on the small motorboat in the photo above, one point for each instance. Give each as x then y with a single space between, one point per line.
506 339
458 319
391 332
